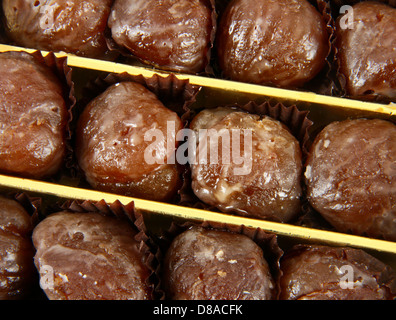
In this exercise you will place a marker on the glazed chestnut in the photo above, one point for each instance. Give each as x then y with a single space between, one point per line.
17 270
33 117
284 43
366 49
88 256
247 164
216 265
124 143
334 273
62 25
170 34
351 177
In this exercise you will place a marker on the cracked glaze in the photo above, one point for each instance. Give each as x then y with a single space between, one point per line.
266 184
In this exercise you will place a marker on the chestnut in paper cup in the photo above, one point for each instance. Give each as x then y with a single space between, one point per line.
17 272
93 251
37 97
277 140
125 139
335 273
173 36
209 261
357 24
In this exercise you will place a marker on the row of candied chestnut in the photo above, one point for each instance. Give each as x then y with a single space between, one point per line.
87 255
282 43
233 159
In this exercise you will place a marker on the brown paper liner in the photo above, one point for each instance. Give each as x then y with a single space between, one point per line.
127 213
339 80
324 83
177 95
295 120
268 242
31 204
126 56
59 67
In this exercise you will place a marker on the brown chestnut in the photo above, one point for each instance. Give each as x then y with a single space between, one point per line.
33 118
351 176
247 164
203 264
89 256
170 34
115 147
314 272
366 45
72 26
284 42
17 271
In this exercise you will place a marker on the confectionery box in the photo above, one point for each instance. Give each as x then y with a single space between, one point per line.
315 108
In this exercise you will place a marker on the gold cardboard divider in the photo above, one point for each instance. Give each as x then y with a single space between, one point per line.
295 232
233 86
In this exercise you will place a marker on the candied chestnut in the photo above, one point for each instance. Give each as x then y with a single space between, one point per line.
312 272
17 270
284 43
125 141
204 264
89 256
366 45
247 164
351 177
62 25
170 34
33 117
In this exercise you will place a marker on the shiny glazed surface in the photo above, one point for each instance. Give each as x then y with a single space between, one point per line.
16 251
351 177
215 265
116 150
169 34
33 117
75 26
91 257
367 51
270 41
326 273
266 184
